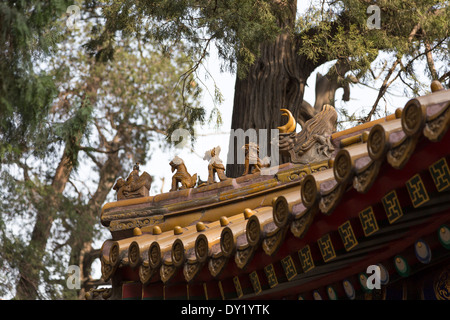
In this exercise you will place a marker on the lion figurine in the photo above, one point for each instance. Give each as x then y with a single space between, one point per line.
215 165
182 175
253 163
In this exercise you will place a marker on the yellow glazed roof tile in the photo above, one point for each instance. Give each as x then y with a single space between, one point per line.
287 201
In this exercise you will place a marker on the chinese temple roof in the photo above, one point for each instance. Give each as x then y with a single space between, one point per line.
299 230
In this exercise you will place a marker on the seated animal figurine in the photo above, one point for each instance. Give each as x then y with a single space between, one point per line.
182 175
135 186
215 165
253 163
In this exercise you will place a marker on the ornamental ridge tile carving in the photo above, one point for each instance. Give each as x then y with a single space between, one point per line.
134 186
313 143
260 224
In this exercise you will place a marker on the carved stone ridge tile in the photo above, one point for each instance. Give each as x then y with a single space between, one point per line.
331 199
241 242
271 243
300 225
216 265
399 154
130 214
392 126
190 256
328 186
365 177
146 273
246 190
127 224
300 210
433 98
167 272
324 175
160 199
167 256
270 228
216 252
362 163
357 150
214 187
190 270
396 138
244 256
435 110
436 127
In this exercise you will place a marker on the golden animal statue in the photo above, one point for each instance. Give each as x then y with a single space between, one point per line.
135 186
312 144
253 163
182 175
215 165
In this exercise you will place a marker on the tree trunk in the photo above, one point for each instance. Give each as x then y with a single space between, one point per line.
276 80
27 287
29 271
82 253
327 85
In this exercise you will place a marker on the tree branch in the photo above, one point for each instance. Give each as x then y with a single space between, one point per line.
383 89
154 129
92 149
430 61
194 68
94 159
385 84
445 75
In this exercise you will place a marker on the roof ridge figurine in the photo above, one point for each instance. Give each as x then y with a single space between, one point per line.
313 143
291 125
215 165
253 163
291 234
182 175
135 186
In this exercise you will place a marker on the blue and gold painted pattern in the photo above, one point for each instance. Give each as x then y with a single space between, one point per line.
306 259
441 174
254 279
348 236
392 206
271 275
417 191
326 248
368 221
237 285
289 267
